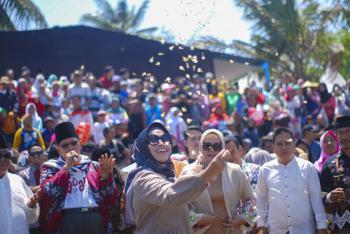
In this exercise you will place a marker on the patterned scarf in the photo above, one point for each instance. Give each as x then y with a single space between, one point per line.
60 162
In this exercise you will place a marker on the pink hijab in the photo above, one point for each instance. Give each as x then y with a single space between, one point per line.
324 156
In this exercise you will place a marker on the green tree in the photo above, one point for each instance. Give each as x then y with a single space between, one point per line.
290 36
120 19
20 14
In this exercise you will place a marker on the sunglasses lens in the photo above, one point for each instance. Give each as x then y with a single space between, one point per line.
209 146
154 139
217 147
166 138
206 146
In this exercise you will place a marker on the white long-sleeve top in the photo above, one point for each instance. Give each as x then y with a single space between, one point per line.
15 215
289 198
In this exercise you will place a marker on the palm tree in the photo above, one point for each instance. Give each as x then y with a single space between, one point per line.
20 14
287 35
121 19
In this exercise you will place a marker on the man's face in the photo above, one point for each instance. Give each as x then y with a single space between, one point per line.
36 156
343 135
192 142
68 145
310 135
76 102
77 78
284 146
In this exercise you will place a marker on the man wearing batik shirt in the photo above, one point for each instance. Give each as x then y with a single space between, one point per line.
31 176
335 180
288 192
76 192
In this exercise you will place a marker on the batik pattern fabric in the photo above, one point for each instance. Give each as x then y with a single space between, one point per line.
54 186
252 171
336 173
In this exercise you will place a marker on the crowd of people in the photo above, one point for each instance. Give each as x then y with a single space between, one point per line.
116 154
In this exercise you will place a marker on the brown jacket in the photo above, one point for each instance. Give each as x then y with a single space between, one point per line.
159 206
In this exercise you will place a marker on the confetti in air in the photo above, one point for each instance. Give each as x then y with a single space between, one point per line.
168 80
181 68
171 48
157 63
231 61
160 54
151 60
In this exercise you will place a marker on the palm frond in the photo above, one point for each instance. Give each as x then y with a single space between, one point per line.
140 14
23 13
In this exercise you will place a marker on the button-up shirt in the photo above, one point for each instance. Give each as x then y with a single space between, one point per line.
289 198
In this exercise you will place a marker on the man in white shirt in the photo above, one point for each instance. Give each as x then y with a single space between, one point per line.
18 206
288 192
79 88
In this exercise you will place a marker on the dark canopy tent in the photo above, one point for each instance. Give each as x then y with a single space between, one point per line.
62 50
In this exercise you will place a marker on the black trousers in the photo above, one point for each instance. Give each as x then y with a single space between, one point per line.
75 222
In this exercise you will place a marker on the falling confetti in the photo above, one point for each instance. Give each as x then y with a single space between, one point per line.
144 73
151 59
163 114
203 57
171 48
183 109
231 61
181 68
188 76
168 79
157 63
194 67
192 48
160 54
162 41
246 63
181 48
189 121
199 70
187 65
134 74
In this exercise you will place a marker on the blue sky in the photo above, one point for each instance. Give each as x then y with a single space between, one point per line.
183 18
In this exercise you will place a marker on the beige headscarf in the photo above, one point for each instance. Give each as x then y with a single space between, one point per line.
204 135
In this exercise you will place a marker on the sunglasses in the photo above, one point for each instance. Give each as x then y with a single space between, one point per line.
36 154
5 155
66 145
213 146
154 139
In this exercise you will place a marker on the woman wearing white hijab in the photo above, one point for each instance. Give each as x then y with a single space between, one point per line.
37 121
215 210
